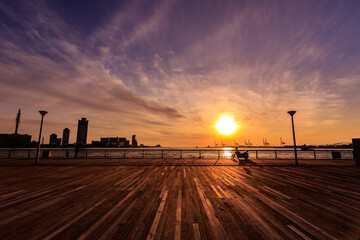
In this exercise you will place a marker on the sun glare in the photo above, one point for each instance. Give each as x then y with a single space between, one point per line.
226 125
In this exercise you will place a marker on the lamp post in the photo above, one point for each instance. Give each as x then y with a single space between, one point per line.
293 130
43 113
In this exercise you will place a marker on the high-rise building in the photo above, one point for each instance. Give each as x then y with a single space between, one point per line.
66 135
133 141
54 140
82 132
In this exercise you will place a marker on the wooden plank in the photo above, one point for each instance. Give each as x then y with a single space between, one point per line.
178 218
216 226
11 194
216 191
59 230
157 217
196 231
186 202
113 210
301 234
110 230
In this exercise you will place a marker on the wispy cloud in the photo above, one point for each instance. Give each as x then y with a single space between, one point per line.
169 69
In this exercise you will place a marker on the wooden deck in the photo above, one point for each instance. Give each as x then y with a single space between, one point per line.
163 200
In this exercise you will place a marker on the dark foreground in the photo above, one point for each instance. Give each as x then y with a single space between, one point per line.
188 201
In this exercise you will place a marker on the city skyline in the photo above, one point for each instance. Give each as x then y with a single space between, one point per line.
169 70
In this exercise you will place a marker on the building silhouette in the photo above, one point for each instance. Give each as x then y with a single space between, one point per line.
65 138
82 132
15 139
134 141
112 142
54 140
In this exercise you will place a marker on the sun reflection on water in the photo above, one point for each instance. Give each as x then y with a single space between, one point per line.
227 152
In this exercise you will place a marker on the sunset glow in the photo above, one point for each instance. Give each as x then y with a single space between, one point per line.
226 125
164 70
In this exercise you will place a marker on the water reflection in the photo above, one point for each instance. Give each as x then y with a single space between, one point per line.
227 152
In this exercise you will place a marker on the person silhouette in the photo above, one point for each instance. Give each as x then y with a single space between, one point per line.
76 151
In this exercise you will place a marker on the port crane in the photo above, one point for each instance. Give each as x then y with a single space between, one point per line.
265 142
282 143
247 143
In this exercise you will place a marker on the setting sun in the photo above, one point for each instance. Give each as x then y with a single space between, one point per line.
226 125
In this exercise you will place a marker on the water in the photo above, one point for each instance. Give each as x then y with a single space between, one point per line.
260 153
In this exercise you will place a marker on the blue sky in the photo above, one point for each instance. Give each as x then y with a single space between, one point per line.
167 70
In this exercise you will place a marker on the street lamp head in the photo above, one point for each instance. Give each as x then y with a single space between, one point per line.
43 113
291 113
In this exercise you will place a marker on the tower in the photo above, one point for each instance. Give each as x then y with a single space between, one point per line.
82 132
17 121
65 138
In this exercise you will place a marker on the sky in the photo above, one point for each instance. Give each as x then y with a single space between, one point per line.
168 70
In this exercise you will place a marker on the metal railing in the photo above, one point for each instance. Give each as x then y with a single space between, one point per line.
122 153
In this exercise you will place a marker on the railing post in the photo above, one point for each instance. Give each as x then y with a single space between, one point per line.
105 153
29 153
256 151
199 153
86 153
218 154
275 154
143 153
180 153
162 153
124 154
9 153
314 155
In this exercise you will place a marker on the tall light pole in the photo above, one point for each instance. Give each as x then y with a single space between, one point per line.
293 129
43 113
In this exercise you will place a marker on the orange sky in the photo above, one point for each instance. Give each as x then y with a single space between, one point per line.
168 70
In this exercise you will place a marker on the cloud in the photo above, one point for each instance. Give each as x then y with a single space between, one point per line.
171 68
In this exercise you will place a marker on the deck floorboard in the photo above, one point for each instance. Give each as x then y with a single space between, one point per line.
191 199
